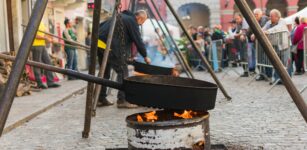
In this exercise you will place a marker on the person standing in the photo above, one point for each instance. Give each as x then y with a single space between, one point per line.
40 54
275 25
240 40
293 53
126 32
298 39
262 20
71 53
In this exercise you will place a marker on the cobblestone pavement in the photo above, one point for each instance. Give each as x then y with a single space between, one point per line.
254 119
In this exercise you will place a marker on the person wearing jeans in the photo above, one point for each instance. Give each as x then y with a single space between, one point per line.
298 40
40 54
71 53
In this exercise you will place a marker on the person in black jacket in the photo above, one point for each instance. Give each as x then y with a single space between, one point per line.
126 33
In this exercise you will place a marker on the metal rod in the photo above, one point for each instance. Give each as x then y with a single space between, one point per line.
82 76
270 52
74 44
10 24
18 66
204 60
160 27
105 56
92 69
179 54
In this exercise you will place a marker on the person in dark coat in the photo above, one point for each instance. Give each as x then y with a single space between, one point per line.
126 33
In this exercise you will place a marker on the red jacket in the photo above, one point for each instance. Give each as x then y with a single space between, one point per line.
298 36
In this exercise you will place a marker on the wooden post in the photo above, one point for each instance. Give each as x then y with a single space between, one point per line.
92 69
10 24
18 66
105 57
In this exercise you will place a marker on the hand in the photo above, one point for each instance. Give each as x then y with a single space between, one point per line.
147 60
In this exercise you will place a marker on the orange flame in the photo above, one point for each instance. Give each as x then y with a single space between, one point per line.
185 115
151 117
139 118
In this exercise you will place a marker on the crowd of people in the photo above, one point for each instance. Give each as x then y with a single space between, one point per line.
239 43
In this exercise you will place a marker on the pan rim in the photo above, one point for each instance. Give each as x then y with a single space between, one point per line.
171 85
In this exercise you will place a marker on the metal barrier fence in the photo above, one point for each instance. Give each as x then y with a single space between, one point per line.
216 54
195 60
281 43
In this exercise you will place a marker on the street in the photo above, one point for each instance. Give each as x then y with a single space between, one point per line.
254 119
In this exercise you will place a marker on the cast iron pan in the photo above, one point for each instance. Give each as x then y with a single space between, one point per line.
152 70
169 92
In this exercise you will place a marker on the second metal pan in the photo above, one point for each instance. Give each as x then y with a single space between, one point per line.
152 70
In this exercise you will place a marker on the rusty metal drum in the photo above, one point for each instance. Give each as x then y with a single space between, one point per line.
171 133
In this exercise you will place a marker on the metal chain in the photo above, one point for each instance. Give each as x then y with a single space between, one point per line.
121 32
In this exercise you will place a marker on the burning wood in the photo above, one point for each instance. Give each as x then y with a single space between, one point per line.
150 117
139 118
185 115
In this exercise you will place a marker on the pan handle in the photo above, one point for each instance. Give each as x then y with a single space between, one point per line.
72 73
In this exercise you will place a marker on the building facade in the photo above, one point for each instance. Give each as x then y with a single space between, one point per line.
286 7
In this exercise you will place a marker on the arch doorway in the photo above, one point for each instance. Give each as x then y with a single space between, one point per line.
280 5
195 14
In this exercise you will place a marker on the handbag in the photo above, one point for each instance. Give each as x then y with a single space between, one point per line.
294 47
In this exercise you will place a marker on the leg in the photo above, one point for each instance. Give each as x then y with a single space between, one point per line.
46 60
301 60
75 60
122 72
69 54
103 92
37 56
253 67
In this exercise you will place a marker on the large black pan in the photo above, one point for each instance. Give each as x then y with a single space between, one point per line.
170 92
152 70
152 91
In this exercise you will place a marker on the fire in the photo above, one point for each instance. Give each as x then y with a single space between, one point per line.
139 118
150 117
185 115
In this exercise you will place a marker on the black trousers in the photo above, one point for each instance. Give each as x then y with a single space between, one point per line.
299 63
40 54
122 72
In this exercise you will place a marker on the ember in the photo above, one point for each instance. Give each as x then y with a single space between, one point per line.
185 115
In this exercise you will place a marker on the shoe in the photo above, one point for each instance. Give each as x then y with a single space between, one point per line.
260 78
125 104
104 102
298 73
245 74
41 86
54 85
